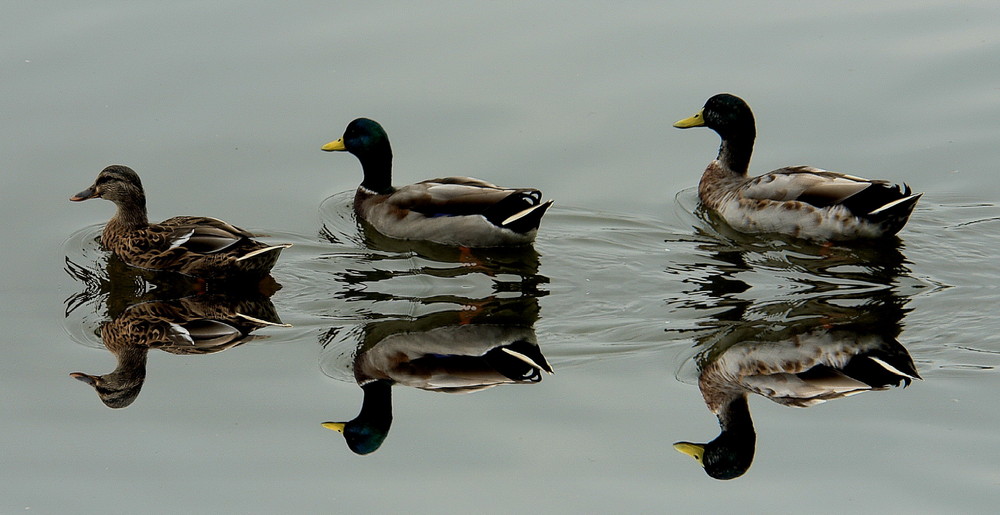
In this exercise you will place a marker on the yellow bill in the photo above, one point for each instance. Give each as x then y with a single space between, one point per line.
335 426
691 449
335 146
697 120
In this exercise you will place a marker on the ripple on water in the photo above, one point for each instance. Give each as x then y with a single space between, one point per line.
940 267
954 246
614 284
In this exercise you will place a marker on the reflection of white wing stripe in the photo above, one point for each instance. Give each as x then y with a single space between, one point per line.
261 322
890 368
179 331
263 250
530 362
181 240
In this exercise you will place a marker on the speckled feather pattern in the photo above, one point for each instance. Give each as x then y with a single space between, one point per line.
149 324
159 325
771 369
748 205
197 246
799 201
725 193
155 247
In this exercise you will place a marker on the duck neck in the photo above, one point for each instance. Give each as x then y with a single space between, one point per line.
734 419
131 367
120 387
735 151
376 408
378 172
131 215
731 453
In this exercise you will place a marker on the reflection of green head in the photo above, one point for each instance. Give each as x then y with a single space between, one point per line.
366 432
731 453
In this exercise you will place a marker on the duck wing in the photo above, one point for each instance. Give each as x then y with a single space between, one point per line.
200 234
463 196
823 188
805 184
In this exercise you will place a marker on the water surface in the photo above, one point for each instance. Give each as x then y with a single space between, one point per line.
222 108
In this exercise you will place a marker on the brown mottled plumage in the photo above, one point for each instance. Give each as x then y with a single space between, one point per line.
192 245
816 353
201 324
799 201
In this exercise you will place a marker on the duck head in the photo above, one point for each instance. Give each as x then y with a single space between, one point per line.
367 140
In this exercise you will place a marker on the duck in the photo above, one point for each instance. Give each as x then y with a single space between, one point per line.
456 211
798 201
196 246
194 325
800 369
445 352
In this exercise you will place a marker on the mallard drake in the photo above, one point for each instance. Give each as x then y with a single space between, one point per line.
799 370
458 211
450 359
192 245
441 352
800 201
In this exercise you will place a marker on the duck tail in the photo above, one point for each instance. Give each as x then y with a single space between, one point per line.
526 220
883 367
893 215
883 203
264 250
521 211
259 261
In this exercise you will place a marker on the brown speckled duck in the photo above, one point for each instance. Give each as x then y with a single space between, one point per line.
799 201
817 352
459 211
200 324
192 245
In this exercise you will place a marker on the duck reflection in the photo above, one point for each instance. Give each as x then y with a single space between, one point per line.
200 324
341 226
818 350
485 344
876 261
110 285
444 260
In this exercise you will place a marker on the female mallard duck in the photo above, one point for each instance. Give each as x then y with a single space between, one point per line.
199 324
800 201
452 211
192 245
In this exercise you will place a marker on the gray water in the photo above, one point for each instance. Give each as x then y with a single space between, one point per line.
222 108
